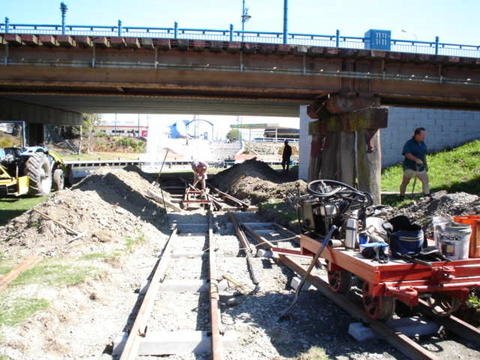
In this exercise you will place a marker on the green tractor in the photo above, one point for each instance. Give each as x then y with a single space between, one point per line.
33 170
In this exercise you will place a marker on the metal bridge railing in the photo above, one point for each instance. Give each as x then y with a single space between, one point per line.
265 37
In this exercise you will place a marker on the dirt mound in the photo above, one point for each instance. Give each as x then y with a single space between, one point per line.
105 207
252 168
438 204
258 190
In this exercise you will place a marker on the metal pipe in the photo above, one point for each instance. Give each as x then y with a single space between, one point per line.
285 21
63 10
119 28
243 20
7 24
437 39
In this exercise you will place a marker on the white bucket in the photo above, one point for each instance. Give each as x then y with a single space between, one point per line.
454 241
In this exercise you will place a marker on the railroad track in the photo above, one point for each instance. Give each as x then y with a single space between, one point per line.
352 304
180 315
184 278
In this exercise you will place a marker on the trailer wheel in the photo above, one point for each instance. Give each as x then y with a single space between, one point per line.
444 305
340 280
377 307
403 310
58 179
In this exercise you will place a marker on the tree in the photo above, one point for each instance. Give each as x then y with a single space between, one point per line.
233 135
89 122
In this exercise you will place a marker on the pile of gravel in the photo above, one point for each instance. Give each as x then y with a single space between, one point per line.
439 204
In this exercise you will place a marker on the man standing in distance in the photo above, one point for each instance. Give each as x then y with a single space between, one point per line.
415 162
287 153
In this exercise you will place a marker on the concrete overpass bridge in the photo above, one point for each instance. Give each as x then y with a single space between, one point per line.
54 77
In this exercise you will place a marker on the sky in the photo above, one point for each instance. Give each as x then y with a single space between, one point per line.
454 21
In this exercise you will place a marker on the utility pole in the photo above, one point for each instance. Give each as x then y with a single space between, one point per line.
245 18
63 10
285 21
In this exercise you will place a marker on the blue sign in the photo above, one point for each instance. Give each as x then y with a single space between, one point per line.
378 39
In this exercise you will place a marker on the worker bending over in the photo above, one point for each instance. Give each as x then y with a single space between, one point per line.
200 174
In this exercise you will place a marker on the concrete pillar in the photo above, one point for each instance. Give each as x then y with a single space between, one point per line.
304 143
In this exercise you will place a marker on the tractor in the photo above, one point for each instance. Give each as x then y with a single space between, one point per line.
32 170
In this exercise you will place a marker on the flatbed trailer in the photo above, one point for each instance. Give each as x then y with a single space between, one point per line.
445 285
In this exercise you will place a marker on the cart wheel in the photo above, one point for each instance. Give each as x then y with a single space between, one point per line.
403 310
444 305
377 307
340 280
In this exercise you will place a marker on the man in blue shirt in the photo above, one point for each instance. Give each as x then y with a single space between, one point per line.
415 162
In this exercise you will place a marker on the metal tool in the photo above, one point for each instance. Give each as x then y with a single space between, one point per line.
325 242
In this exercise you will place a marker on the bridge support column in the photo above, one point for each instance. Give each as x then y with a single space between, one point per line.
346 142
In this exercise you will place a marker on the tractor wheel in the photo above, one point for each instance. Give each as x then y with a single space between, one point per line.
39 169
58 179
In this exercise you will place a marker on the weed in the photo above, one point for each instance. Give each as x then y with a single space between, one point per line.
132 242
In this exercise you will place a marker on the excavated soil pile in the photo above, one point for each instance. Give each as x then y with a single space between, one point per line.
256 181
106 207
257 169
258 190
439 204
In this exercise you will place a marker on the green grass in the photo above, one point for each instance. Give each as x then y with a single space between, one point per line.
55 274
5 267
102 156
13 207
453 170
100 256
13 311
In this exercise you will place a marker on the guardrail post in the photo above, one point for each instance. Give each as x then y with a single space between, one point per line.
337 38
119 28
175 30
7 24
437 40
231 32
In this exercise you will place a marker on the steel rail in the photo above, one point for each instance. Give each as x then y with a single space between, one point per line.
214 295
139 327
400 341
